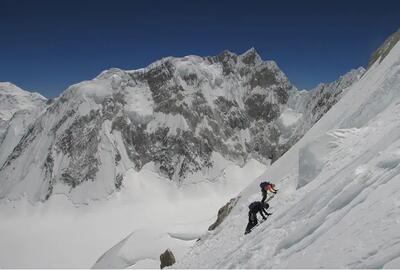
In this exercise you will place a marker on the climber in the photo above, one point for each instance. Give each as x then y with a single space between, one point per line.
265 187
256 207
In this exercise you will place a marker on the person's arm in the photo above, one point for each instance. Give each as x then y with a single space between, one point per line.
264 195
262 214
272 189
264 211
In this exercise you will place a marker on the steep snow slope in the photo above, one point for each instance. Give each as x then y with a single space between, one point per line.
18 110
338 204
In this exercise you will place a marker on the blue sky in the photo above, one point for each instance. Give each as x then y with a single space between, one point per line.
46 46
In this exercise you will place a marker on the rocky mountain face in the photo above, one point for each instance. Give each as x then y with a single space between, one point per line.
310 106
384 49
175 113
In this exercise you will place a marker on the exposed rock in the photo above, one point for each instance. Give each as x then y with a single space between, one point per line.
385 48
167 259
223 212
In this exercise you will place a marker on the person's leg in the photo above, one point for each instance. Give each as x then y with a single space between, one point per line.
262 214
249 224
253 218
266 206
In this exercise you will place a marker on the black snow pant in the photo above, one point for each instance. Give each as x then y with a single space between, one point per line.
252 221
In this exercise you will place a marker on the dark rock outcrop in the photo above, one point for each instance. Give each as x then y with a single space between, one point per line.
223 212
385 48
167 259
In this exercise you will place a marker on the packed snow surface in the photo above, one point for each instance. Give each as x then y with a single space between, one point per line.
338 204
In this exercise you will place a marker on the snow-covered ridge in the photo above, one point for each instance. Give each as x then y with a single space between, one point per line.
337 205
13 99
18 110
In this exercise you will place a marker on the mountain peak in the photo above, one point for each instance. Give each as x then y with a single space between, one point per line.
13 99
7 87
250 56
251 51
226 55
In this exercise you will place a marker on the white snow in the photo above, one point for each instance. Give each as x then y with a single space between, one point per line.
288 121
174 122
13 132
289 117
13 99
153 210
18 109
338 204
141 246
139 100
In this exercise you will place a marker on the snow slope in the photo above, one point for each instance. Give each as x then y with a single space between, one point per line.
18 110
338 204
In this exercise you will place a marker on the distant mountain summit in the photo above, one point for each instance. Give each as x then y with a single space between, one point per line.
177 113
13 99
